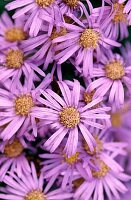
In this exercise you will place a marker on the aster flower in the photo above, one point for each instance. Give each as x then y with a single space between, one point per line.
66 116
37 12
43 42
69 6
87 97
114 20
29 187
127 8
16 105
113 75
13 157
11 34
105 180
59 164
14 63
81 42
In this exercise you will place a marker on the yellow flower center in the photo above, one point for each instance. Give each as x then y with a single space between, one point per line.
103 170
116 119
23 104
114 70
44 3
72 159
97 149
88 97
69 117
77 183
56 34
35 195
120 16
15 34
89 38
71 3
14 149
14 59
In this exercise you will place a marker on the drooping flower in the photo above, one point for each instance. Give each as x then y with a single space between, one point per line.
30 187
13 158
16 105
14 63
105 180
66 116
37 11
11 34
83 38
112 76
114 20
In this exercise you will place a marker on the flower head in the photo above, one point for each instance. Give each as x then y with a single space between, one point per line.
66 116
38 11
33 191
12 156
113 75
17 106
15 63
114 18
11 34
84 38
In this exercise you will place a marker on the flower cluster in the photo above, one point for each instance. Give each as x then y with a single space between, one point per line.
65 103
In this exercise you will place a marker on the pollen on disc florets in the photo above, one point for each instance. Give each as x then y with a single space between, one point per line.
72 159
69 117
13 149
14 59
120 16
35 195
116 119
89 38
97 149
44 3
78 182
114 70
103 170
55 34
23 104
15 34
71 3
88 97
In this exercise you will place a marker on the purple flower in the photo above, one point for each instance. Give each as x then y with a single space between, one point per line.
16 105
37 11
14 63
11 34
13 157
30 187
58 164
43 44
127 9
126 196
114 21
104 180
69 6
112 76
66 116
81 42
